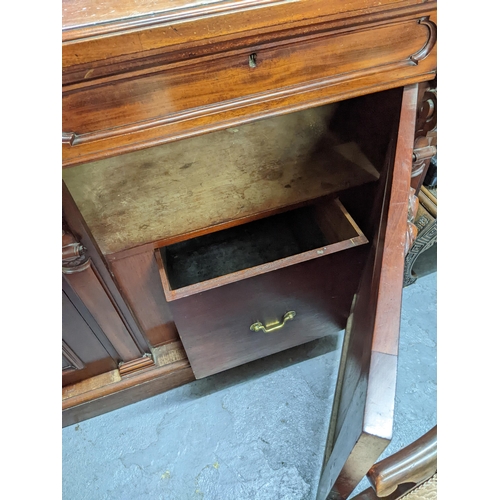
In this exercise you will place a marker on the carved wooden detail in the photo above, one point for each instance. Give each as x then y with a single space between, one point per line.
431 41
74 257
426 224
425 136
411 229
86 281
87 54
97 289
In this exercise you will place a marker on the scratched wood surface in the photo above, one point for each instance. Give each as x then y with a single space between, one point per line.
77 13
191 187
84 18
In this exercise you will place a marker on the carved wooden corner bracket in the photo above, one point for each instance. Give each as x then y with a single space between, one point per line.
427 114
422 228
429 44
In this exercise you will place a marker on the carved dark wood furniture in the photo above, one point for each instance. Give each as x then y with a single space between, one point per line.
256 153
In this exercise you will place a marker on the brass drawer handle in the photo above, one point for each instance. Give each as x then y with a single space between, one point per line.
273 327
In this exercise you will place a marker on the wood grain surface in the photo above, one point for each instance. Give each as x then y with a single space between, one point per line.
361 428
214 325
95 298
109 391
171 92
120 392
139 282
176 73
136 88
134 29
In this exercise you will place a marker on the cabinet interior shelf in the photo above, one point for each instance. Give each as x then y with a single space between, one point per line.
185 189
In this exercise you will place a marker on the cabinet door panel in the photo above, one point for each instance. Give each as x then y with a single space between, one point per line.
362 415
83 355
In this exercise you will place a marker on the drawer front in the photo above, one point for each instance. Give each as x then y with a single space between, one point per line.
117 114
215 325
201 25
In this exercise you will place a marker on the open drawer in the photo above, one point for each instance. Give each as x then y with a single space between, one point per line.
258 288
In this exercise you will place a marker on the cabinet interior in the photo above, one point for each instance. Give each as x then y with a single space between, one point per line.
185 189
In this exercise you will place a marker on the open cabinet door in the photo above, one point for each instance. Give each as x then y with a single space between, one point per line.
362 414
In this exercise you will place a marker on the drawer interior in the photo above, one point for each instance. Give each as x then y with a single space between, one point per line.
259 246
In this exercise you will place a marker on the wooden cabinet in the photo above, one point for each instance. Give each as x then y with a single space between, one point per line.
240 174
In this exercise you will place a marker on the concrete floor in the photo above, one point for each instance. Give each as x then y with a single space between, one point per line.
256 432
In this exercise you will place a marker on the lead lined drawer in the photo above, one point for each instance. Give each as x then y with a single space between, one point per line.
261 287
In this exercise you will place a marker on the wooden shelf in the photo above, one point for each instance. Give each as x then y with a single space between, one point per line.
184 189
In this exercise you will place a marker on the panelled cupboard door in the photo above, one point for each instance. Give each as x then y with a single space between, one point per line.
362 414
83 354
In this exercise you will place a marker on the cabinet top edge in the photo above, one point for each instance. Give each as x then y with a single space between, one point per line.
83 19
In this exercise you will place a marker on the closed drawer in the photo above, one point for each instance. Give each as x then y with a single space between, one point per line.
262 287
149 106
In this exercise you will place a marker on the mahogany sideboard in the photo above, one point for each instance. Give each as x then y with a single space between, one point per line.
236 182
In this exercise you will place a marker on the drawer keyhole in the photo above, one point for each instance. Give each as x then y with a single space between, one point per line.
252 60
